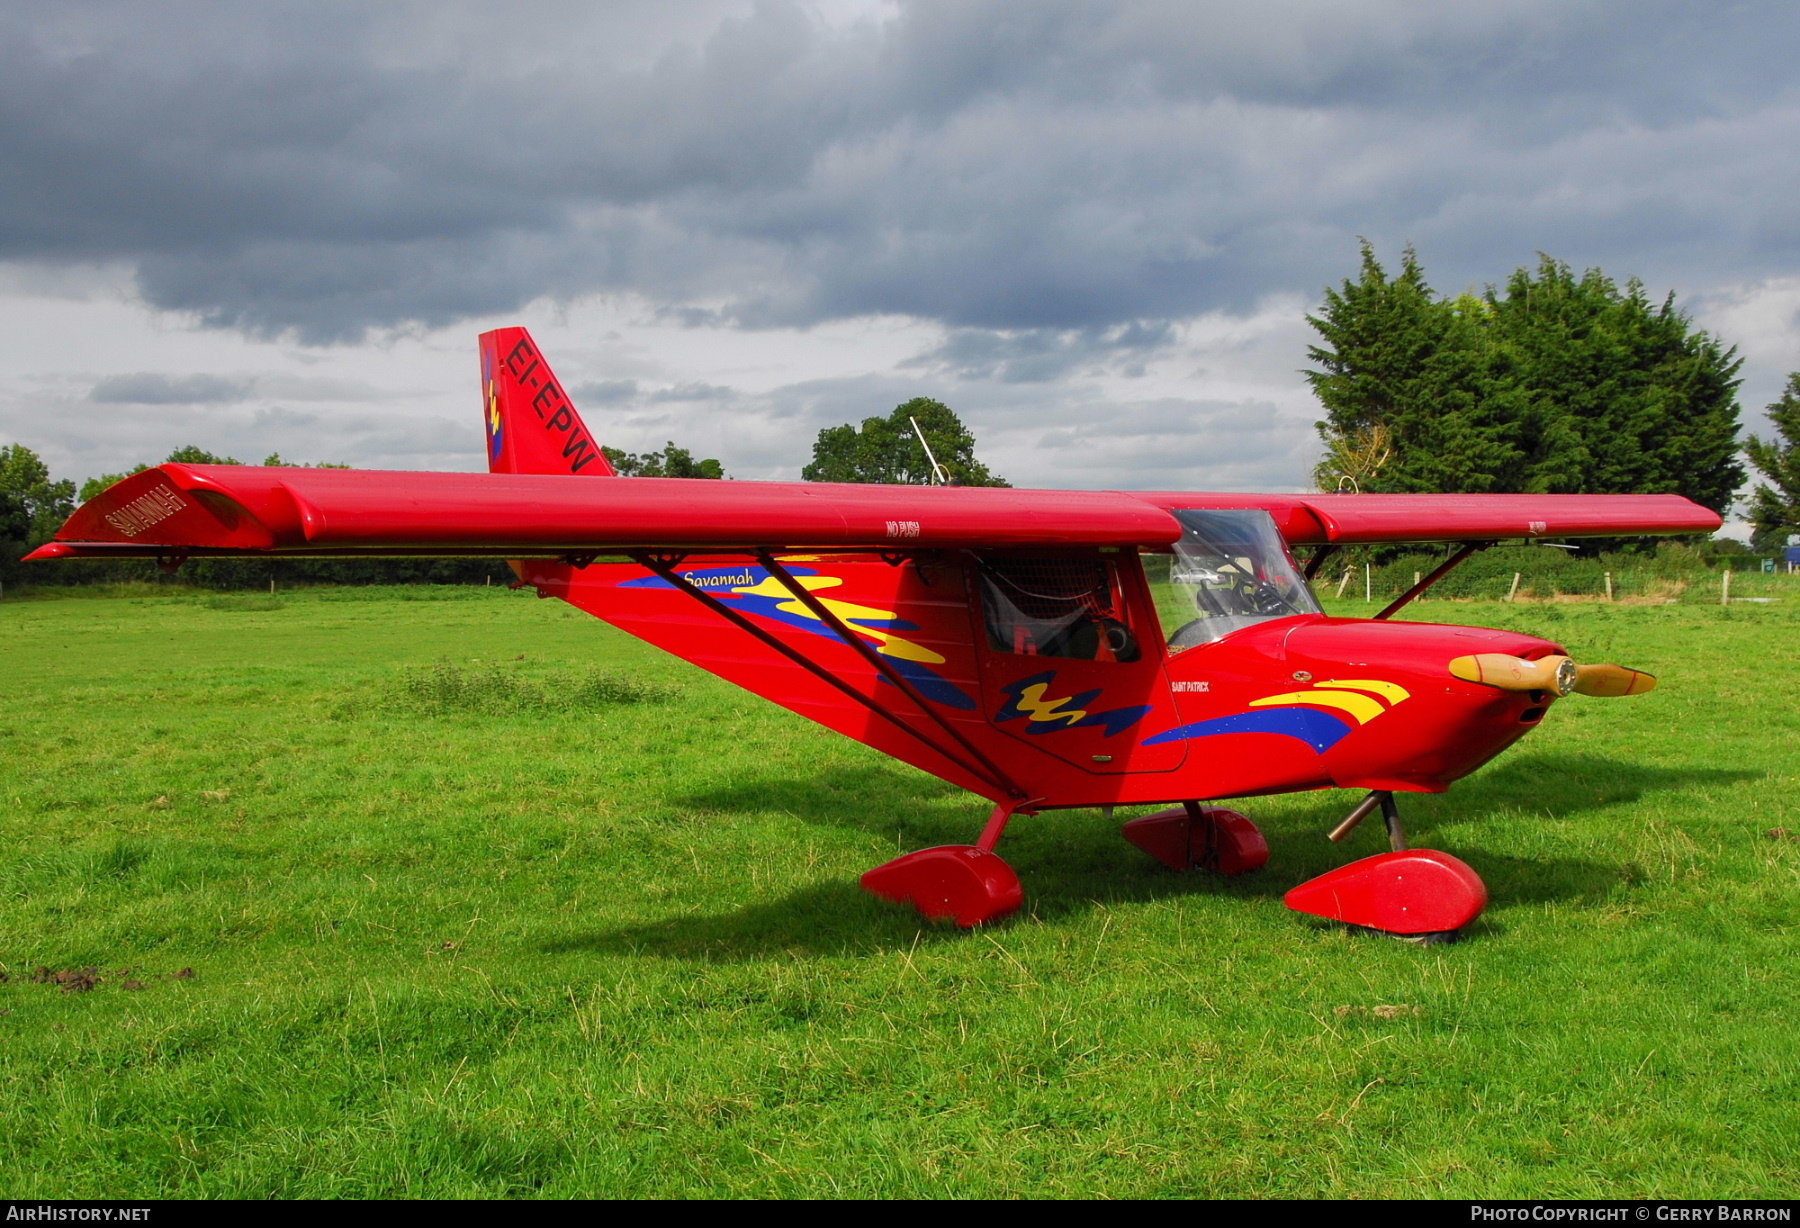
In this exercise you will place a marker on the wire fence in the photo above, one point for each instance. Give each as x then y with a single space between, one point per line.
1543 573
1673 572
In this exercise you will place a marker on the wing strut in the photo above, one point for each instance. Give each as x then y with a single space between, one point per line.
823 612
1443 570
664 566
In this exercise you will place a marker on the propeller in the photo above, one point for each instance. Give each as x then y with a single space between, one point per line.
1558 674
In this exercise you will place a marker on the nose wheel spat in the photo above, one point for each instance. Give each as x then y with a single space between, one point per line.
1418 894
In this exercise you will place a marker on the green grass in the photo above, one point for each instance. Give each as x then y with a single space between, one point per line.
444 946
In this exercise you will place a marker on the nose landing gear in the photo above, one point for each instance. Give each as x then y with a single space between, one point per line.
1417 894
1209 837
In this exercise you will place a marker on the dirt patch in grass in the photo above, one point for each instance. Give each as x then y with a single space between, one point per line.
82 980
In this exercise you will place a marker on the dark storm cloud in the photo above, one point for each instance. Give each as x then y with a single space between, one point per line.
1046 173
691 392
604 392
1040 355
148 389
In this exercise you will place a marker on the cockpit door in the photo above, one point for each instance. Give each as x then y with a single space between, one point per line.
1072 658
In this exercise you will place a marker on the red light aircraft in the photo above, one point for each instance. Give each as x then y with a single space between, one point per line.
1011 642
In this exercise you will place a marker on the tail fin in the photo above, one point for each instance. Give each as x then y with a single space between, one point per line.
531 425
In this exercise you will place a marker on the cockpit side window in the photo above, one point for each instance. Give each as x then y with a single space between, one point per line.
1232 569
1056 607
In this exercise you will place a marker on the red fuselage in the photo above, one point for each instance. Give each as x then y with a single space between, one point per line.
1296 703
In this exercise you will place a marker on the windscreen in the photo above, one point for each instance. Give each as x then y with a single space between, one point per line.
1232 569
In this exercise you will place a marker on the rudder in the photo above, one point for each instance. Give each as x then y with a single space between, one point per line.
531 424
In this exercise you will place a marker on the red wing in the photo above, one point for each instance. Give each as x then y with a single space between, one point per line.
243 509
237 509
1355 519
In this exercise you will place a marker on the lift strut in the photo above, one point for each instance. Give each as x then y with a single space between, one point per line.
664 566
1318 559
883 666
1443 570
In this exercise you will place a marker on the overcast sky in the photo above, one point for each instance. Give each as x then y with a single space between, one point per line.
1092 228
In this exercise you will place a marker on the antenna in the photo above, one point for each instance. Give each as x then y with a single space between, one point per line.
939 474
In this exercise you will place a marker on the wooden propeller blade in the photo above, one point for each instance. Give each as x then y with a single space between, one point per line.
1510 673
1556 674
1611 680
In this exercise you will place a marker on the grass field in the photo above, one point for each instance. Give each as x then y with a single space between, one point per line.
454 933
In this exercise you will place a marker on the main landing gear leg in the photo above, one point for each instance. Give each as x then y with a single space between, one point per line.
967 882
1417 894
1209 837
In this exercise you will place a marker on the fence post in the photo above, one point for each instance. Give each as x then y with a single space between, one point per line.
1609 595
1368 585
1725 588
1345 582
1512 594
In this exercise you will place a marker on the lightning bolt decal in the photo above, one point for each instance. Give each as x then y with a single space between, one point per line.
1027 701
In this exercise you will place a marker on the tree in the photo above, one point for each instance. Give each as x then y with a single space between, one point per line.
189 454
1625 395
273 461
94 486
887 450
186 454
1562 383
1408 387
1775 508
32 507
671 462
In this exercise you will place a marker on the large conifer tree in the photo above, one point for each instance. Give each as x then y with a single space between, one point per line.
1775 504
1407 389
1558 384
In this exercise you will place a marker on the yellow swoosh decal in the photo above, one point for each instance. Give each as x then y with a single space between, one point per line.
1390 691
1361 707
891 645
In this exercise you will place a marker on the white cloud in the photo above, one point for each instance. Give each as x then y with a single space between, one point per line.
1762 319
1094 228
1216 402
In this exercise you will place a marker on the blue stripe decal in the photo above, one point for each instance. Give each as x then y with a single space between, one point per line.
724 583
1319 730
929 682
